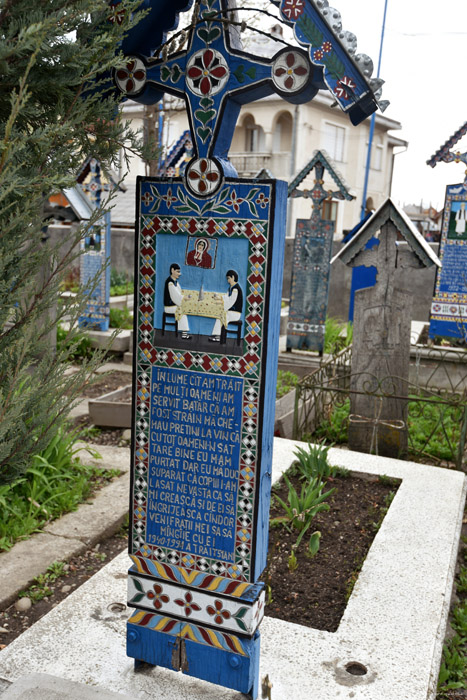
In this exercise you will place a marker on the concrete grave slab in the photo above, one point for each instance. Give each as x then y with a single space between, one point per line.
394 623
41 686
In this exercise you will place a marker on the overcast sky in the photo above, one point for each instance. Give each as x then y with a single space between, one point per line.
423 64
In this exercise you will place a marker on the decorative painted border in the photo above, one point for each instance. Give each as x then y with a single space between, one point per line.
197 579
155 217
189 630
202 607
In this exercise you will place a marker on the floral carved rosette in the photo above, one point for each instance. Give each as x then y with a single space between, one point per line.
207 72
132 78
203 176
290 71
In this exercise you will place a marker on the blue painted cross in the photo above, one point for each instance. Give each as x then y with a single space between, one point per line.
215 77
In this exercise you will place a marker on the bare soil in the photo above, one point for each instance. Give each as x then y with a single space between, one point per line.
315 594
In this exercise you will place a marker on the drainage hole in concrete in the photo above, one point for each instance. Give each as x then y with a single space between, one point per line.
116 607
356 669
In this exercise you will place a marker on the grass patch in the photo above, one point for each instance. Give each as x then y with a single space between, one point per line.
434 430
55 483
453 670
40 589
286 381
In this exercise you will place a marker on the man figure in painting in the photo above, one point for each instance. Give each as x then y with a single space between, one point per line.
233 304
200 256
173 298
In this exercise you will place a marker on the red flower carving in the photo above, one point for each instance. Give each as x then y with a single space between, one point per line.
117 16
291 75
208 71
217 611
127 78
203 176
158 596
344 85
187 604
235 201
292 9
327 47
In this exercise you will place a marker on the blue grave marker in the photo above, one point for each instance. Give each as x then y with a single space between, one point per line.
207 304
312 257
449 306
95 258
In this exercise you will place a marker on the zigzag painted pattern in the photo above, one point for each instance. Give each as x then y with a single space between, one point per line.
205 582
186 630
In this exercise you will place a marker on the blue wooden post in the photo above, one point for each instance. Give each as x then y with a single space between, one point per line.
207 305
311 260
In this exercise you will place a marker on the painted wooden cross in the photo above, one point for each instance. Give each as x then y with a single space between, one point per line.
448 315
312 255
381 336
207 304
95 258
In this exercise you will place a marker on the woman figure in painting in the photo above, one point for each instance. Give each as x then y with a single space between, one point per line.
199 257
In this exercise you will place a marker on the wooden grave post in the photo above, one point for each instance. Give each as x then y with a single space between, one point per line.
309 288
448 315
381 335
207 305
95 247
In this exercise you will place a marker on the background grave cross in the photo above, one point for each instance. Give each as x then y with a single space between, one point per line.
318 194
312 254
447 155
215 77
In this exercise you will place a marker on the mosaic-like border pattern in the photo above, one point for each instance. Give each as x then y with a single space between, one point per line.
247 366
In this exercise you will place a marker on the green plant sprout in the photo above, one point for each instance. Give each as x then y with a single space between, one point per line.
314 463
300 509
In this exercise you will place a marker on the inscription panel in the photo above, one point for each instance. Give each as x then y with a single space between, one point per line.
194 461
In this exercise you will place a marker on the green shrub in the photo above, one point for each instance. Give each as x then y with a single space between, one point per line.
55 483
77 344
120 283
121 318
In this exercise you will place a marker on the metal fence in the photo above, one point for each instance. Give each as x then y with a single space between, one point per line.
436 404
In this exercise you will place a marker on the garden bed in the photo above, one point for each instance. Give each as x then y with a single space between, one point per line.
315 594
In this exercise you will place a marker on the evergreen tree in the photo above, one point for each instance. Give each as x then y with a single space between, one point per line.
53 56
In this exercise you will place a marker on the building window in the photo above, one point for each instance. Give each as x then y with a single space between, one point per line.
254 136
334 141
329 210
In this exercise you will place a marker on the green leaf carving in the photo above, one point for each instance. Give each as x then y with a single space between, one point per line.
206 102
240 73
165 73
203 133
137 598
208 34
335 66
176 73
310 30
205 116
252 208
138 585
